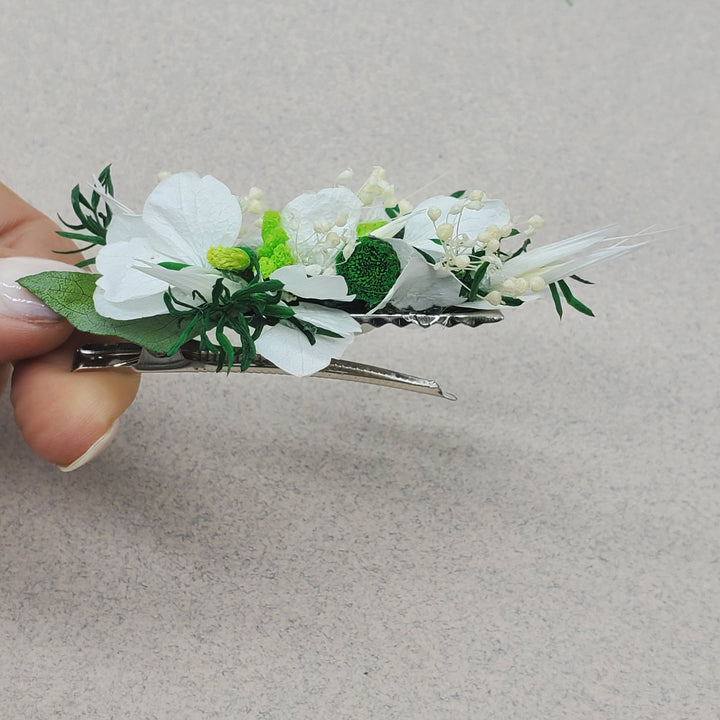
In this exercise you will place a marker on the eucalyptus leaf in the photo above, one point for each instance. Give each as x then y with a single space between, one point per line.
71 295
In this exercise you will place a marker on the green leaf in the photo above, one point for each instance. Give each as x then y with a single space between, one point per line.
92 239
582 280
556 299
513 301
173 265
520 250
71 295
477 279
457 194
572 301
426 256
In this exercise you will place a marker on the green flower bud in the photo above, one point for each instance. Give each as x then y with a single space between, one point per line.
228 258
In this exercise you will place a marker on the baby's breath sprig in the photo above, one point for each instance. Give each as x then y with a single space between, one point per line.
246 311
94 217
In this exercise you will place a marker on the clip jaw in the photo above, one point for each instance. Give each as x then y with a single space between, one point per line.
191 359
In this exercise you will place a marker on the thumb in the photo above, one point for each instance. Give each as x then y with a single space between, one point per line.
27 326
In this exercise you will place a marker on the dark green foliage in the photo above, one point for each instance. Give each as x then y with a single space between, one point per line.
93 215
246 311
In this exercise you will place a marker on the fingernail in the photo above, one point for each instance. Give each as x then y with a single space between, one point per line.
93 451
15 300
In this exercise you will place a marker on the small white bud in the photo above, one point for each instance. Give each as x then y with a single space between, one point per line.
434 213
492 246
455 209
313 270
521 286
445 231
461 261
255 207
506 229
321 227
405 207
474 205
494 297
344 176
333 239
508 286
365 196
476 196
255 193
537 283
536 222
341 219
330 270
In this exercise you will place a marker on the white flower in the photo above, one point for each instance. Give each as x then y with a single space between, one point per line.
287 346
321 224
184 216
420 285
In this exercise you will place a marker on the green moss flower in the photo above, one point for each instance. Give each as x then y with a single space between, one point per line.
371 270
274 252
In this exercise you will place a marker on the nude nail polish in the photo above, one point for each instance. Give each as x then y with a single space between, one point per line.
17 302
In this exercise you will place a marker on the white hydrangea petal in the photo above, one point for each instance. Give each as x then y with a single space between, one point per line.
119 280
301 215
193 214
318 287
132 309
126 226
421 286
289 349
391 228
406 251
332 319
187 279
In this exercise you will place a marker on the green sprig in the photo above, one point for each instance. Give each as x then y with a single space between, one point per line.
94 217
246 311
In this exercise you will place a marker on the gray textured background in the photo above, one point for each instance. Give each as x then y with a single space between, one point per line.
547 547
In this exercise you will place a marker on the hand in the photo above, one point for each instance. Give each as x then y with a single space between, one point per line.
66 418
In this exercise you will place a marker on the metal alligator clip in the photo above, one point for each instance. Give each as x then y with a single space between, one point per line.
191 359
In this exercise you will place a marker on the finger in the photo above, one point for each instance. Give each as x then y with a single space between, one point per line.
24 230
27 241
4 376
63 414
27 326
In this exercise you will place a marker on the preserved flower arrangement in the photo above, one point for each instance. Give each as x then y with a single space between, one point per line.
199 263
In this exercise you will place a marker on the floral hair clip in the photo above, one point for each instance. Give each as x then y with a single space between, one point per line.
190 284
